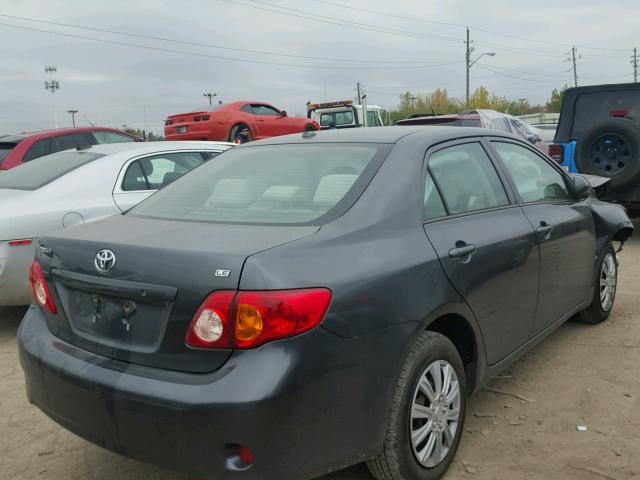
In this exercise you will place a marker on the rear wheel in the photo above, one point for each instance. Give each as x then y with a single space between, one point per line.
605 292
233 134
427 414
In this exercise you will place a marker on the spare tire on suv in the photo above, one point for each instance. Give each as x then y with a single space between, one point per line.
611 149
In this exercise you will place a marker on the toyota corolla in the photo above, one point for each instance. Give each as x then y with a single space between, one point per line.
310 302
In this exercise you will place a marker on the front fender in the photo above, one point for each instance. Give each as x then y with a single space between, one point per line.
611 221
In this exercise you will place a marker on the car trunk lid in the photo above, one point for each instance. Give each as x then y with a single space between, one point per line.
140 310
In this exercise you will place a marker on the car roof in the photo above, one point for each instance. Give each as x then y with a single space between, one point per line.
61 131
394 134
139 148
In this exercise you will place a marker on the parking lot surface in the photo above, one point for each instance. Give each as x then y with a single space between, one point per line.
523 426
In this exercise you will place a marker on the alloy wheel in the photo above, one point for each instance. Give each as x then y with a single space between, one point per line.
608 278
435 413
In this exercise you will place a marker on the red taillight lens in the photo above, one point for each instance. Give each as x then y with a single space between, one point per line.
39 288
17 243
206 117
246 319
556 152
618 113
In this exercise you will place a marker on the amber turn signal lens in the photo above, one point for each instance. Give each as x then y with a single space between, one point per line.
249 323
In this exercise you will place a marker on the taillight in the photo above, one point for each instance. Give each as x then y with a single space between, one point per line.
39 288
618 113
17 243
556 152
246 319
206 117
197 118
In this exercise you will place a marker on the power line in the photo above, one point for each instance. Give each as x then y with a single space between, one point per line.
337 21
209 45
217 57
423 20
485 67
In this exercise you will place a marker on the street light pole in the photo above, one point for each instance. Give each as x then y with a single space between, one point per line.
470 63
73 116
210 97
413 103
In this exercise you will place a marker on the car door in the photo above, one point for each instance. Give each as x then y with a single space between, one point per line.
270 121
564 226
485 244
144 175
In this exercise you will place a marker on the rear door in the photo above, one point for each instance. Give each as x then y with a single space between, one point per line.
486 246
565 230
144 175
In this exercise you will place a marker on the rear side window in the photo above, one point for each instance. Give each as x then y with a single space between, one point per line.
158 171
38 149
73 140
534 178
272 184
111 137
467 179
34 175
433 204
264 110
5 148
247 109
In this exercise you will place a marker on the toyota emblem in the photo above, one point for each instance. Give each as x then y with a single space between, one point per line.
105 261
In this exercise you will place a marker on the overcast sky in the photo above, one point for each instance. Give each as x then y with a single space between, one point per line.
418 46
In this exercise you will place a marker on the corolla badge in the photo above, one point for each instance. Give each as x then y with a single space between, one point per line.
105 261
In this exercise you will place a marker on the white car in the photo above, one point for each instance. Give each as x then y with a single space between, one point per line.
77 186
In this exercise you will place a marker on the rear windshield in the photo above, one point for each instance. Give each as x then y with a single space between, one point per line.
294 184
338 118
592 108
44 170
5 148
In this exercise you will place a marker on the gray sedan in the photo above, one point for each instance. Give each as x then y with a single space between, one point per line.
313 301
77 186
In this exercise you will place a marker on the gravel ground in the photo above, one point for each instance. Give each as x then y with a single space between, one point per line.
580 375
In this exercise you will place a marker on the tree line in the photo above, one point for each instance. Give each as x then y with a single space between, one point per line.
439 103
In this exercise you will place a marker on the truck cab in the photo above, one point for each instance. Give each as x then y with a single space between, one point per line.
344 114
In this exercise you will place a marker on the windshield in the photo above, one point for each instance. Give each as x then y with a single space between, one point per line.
44 170
339 118
270 184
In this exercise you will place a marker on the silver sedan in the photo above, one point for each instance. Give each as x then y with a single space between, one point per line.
77 186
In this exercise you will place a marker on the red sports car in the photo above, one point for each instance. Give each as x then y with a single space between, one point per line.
24 147
224 123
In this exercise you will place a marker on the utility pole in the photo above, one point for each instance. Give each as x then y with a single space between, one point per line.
572 59
359 94
413 104
210 97
634 64
53 86
73 116
469 49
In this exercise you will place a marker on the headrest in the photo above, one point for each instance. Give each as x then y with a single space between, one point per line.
281 193
231 192
332 188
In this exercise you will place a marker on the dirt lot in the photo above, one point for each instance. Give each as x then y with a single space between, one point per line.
581 375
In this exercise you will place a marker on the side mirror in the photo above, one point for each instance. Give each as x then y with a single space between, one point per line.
581 187
533 138
283 113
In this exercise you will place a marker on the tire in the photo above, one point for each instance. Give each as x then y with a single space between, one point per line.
399 457
607 273
309 128
611 149
235 129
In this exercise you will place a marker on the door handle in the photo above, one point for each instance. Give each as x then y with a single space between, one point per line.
462 250
544 230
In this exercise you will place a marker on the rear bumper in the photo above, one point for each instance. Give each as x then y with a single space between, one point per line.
304 407
14 274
